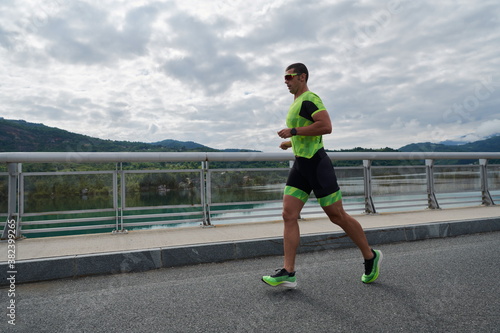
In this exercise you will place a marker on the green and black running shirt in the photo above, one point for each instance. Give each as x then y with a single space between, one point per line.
301 114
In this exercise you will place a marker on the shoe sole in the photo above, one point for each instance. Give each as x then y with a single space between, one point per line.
284 284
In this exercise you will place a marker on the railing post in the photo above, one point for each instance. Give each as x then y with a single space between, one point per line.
123 192
123 198
206 193
14 170
432 202
367 180
116 200
486 198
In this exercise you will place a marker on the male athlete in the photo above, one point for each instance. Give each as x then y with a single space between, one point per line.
307 121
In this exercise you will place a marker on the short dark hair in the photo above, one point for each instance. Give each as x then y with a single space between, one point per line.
299 68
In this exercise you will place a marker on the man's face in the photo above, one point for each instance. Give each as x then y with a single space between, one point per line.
292 81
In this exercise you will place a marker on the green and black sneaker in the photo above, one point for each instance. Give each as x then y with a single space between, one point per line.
372 267
282 278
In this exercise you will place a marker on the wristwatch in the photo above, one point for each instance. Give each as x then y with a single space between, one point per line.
293 131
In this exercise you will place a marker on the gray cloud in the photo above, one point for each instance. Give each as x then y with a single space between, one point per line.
84 34
5 38
208 65
390 73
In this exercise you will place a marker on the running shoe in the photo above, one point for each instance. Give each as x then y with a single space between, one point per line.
282 278
372 267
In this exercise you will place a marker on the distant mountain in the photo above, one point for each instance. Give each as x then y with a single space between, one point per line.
20 135
487 145
182 145
452 143
462 141
23 136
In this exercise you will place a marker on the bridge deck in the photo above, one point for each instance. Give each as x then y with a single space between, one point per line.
70 256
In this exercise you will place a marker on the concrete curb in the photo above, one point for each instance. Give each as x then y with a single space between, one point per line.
148 259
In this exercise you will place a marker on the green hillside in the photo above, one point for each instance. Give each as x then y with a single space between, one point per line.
182 145
19 135
23 136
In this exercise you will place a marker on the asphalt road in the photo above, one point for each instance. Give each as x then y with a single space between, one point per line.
441 285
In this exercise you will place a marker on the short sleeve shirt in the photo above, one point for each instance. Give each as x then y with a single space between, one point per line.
301 114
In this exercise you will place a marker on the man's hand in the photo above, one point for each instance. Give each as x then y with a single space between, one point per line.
285 145
285 133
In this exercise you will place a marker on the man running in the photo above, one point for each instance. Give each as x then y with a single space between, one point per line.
307 121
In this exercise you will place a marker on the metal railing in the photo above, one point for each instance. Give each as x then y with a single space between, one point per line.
206 208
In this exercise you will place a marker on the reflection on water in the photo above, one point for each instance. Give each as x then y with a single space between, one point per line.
65 203
190 196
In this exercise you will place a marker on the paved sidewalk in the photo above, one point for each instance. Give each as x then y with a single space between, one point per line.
71 256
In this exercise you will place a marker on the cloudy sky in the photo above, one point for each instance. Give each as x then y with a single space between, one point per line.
389 72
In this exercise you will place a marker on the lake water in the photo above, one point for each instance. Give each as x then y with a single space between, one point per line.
398 191
234 210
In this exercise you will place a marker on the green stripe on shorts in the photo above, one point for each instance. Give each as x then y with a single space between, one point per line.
330 199
295 192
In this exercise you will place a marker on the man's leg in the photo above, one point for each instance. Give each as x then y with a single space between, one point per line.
291 232
351 227
291 239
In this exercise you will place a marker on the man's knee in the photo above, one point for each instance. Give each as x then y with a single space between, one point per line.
290 216
336 217
336 214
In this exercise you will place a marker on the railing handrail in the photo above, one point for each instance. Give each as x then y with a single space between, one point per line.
106 157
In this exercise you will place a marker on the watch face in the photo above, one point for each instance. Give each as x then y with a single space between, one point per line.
293 131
